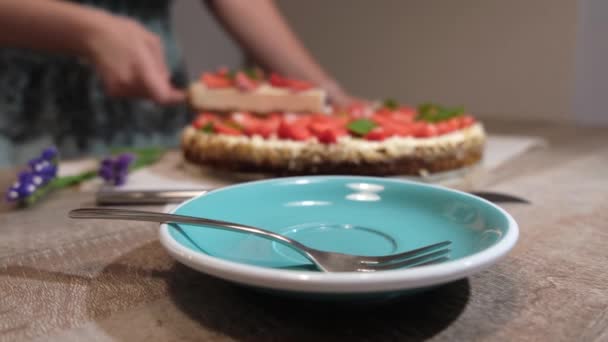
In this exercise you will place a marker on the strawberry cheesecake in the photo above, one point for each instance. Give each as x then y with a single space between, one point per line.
380 139
251 91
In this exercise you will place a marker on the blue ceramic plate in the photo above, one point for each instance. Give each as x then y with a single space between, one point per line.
359 215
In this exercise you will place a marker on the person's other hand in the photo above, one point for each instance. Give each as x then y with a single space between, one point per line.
130 60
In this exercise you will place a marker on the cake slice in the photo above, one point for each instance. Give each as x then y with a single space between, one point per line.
224 91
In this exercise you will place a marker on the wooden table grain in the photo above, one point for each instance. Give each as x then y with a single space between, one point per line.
62 280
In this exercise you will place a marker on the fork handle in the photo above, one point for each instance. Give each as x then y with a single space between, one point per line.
150 216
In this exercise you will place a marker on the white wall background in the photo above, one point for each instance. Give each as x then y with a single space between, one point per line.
591 95
204 43
511 59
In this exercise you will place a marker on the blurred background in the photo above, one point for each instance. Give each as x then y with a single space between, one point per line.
539 60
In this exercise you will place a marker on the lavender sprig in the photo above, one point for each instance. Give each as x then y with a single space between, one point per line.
115 170
34 181
40 177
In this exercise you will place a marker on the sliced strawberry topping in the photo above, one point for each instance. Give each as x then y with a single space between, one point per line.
299 85
216 81
277 80
377 134
383 120
203 119
330 135
453 124
245 120
226 129
244 82
407 111
424 130
302 120
466 121
294 131
402 130
442 127
327 128
262 126
395 117
447 126
266 128
359 110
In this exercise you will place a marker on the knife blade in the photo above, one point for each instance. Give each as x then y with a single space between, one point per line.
151 197
499 197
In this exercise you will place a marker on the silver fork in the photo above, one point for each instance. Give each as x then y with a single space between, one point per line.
325 261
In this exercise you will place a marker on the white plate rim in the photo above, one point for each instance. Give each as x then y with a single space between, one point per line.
346 282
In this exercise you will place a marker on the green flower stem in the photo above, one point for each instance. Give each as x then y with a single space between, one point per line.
144 157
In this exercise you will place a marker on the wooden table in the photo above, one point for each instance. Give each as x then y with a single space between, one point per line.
89 280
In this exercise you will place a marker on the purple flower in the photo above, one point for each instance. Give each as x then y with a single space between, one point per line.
26 184
124 160
50 154
50 172
40 172
12 195
106 169
36 164
115 170
120 179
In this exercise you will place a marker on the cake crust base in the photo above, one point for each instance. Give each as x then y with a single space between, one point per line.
402 166
220 153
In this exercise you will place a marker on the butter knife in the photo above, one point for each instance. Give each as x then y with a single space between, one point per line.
144 197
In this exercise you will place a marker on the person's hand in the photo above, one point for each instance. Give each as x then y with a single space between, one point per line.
338 96
130 60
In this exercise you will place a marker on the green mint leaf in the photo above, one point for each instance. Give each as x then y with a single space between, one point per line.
434 113
361 126
208 128
427 110
390 104
252 73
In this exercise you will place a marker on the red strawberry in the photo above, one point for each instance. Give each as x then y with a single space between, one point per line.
226 129
203 119
244 82
443 127
245 120
327 129
377 134
453 124
359 110
425 130
407 111
299 85
264 127
383 119
294 131
466 121
402 130
277 80
329 136
215 81
397 116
